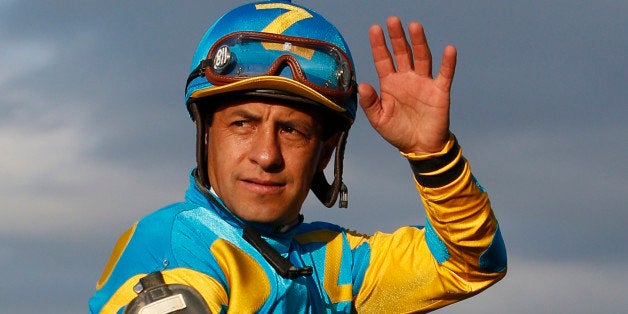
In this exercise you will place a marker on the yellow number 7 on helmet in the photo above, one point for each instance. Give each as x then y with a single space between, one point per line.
283 22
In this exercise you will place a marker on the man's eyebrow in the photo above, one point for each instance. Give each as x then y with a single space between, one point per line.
288 121
294 122
245 114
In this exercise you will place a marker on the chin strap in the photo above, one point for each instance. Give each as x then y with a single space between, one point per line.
201 146
328 193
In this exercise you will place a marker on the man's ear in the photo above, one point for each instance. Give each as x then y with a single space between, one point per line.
328 149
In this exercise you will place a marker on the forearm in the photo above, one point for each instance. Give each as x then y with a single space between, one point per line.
458 253
462 231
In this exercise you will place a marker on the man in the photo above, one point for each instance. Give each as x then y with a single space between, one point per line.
273 94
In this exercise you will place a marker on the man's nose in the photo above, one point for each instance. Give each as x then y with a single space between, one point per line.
266 150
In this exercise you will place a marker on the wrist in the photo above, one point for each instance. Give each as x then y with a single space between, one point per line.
440 168
450 142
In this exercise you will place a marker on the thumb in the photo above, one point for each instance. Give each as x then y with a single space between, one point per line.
369 99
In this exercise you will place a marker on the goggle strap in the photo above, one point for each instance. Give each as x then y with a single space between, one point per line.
197 72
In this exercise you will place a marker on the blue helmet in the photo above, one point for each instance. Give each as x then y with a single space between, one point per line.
253 36
276 49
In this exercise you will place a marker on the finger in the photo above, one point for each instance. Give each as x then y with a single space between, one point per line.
447 69
381 55
399 43
420 49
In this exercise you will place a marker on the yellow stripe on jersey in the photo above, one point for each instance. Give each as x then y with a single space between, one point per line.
248 283
123 241
333 256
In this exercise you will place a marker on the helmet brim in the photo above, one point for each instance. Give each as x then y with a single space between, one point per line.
268 82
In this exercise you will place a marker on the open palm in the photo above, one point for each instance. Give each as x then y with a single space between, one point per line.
412 110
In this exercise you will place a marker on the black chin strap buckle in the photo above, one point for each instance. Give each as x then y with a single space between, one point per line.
282 265
296 272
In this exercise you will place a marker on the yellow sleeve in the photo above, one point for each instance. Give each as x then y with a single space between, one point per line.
457 254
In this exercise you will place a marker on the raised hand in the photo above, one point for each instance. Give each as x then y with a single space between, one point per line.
412 112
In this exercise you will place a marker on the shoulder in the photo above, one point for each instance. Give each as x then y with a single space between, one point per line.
160 223
168 213
153 232
181 226
155 235
152 243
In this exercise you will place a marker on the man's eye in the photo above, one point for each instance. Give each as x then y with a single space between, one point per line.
239 123
241 126
288 129
292 131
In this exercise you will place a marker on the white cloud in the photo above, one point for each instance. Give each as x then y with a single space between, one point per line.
33 154
38 168
52 185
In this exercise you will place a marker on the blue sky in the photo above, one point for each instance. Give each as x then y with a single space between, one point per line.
95 135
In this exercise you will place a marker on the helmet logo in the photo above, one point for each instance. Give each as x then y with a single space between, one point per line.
222 59
293 15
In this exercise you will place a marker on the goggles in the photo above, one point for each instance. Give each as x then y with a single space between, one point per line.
317 64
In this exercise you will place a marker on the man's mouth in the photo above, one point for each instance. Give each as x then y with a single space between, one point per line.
263 186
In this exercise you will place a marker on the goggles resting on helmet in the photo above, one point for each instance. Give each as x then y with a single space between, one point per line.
316 64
